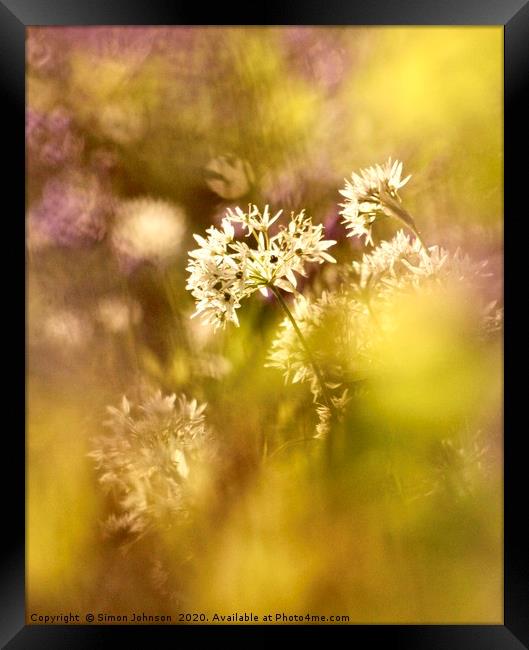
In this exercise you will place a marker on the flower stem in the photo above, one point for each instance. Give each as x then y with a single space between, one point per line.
405 217
419 237
305 345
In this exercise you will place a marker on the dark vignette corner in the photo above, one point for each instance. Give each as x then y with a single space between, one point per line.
516 96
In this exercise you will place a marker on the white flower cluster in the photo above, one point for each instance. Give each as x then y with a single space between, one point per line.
339 332
147 230
116 313
345 322
403 263
149 458
460 464
370 195
344 328
223 270
325 415
65 328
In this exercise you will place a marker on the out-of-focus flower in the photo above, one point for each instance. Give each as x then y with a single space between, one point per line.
328 64
344 328
151 459
371 195
147 230
403 262
51 139
325 415
229 176
317 54
389 261
117 314
492 322
215 366
122 527
66 328
73 210
459 465
224 271
338 330
34 126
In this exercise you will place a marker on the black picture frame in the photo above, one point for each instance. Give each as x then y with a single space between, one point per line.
15 16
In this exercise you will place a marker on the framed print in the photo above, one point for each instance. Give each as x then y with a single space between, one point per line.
264 322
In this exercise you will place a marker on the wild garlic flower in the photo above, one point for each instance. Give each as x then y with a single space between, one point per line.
461 465
147 230
150 459
403 262
466 460
325 414
224 270
386 259
371 195
66 329
345 329
337 330
116 314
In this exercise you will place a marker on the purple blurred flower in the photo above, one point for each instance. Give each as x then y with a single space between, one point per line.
73 210
317 54
50 138
59 120
35 127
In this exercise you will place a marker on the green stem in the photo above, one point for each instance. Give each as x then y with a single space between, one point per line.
305 345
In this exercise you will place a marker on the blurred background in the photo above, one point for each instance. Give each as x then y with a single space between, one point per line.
139 137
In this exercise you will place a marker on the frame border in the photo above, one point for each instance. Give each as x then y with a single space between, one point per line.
15 16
